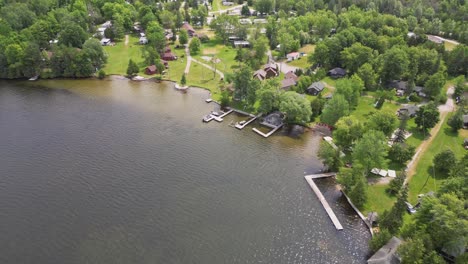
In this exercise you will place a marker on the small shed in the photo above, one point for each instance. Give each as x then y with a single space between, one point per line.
315 88
387 253
337 73
408 110
150 70
189 29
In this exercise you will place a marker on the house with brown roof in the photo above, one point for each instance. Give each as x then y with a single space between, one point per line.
168 56
286 84
189 28
291 75
150 70
269 70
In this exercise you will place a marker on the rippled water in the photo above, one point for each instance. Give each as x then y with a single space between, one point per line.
119 172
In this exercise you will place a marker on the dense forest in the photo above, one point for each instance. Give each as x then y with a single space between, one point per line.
53 38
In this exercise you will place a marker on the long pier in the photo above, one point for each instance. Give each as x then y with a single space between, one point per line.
269 133
238 126
321 175
331 214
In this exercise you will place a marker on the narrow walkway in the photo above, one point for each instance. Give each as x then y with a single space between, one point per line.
324 202
240 127
208 67
127 38
321 175
189 58
444 110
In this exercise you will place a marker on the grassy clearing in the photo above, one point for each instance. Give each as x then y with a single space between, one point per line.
329 81
378 199
301 63
366 107
201 76
224 53
423 181
119 55
307 49
177 67
449 45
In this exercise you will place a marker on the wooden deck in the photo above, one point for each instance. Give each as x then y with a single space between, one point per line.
248 122
322 175
324 202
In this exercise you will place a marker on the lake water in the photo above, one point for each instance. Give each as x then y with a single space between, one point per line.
124 172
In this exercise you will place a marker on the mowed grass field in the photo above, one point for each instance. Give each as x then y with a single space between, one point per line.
119 55
426 179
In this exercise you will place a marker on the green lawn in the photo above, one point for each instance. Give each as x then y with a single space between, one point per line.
366 107
423 181
449 45
378 200
225 54
119 55
177 67
201 76
301 62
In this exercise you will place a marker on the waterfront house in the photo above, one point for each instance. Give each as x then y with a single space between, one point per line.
387 254
150 70
337 73
293 56
269 70
315 88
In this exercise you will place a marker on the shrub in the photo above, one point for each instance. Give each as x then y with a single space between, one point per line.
101 74
444 161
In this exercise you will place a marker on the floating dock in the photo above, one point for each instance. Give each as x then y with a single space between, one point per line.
269 133
321 175
331 214
217 118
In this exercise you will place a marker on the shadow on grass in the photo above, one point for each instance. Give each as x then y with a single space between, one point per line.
449 132
419 134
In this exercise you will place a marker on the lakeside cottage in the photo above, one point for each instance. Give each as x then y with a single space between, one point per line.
150 70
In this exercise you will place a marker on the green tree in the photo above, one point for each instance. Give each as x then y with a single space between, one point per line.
379 240
400 135
358 193
183 37
393 219
395 63
72 35
268 96
224 26
427 116
155 36
435 83
336 108
384 121
132 68
412 251
195 46
263 6
241 82
394 187
371 150
356 56
347 130
329 156
456 120
93 49
401 153
457 60
368 76
183 80
245 11
444 160
295 107
351 89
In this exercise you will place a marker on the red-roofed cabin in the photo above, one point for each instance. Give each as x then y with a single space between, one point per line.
150 70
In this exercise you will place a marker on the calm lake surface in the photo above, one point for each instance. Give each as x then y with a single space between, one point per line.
123 172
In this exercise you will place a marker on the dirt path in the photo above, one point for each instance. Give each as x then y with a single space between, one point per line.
209 67
127 38
444 110
189 58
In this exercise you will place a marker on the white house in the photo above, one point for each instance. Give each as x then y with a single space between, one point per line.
293 56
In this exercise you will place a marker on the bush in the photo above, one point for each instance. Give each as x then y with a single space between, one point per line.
204 39
101 74
441 98
395 185
414 98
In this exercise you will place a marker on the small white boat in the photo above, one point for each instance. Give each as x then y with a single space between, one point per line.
34 78
207 118
209 100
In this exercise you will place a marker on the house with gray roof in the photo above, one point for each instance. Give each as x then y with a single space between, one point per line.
387 254
315 88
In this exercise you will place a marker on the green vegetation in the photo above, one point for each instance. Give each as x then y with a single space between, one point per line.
118 56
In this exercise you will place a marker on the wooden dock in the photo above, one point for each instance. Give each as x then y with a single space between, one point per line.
324 202
267 134
218 118
322 175
248 122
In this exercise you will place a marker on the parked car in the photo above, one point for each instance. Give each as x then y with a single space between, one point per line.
410 208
